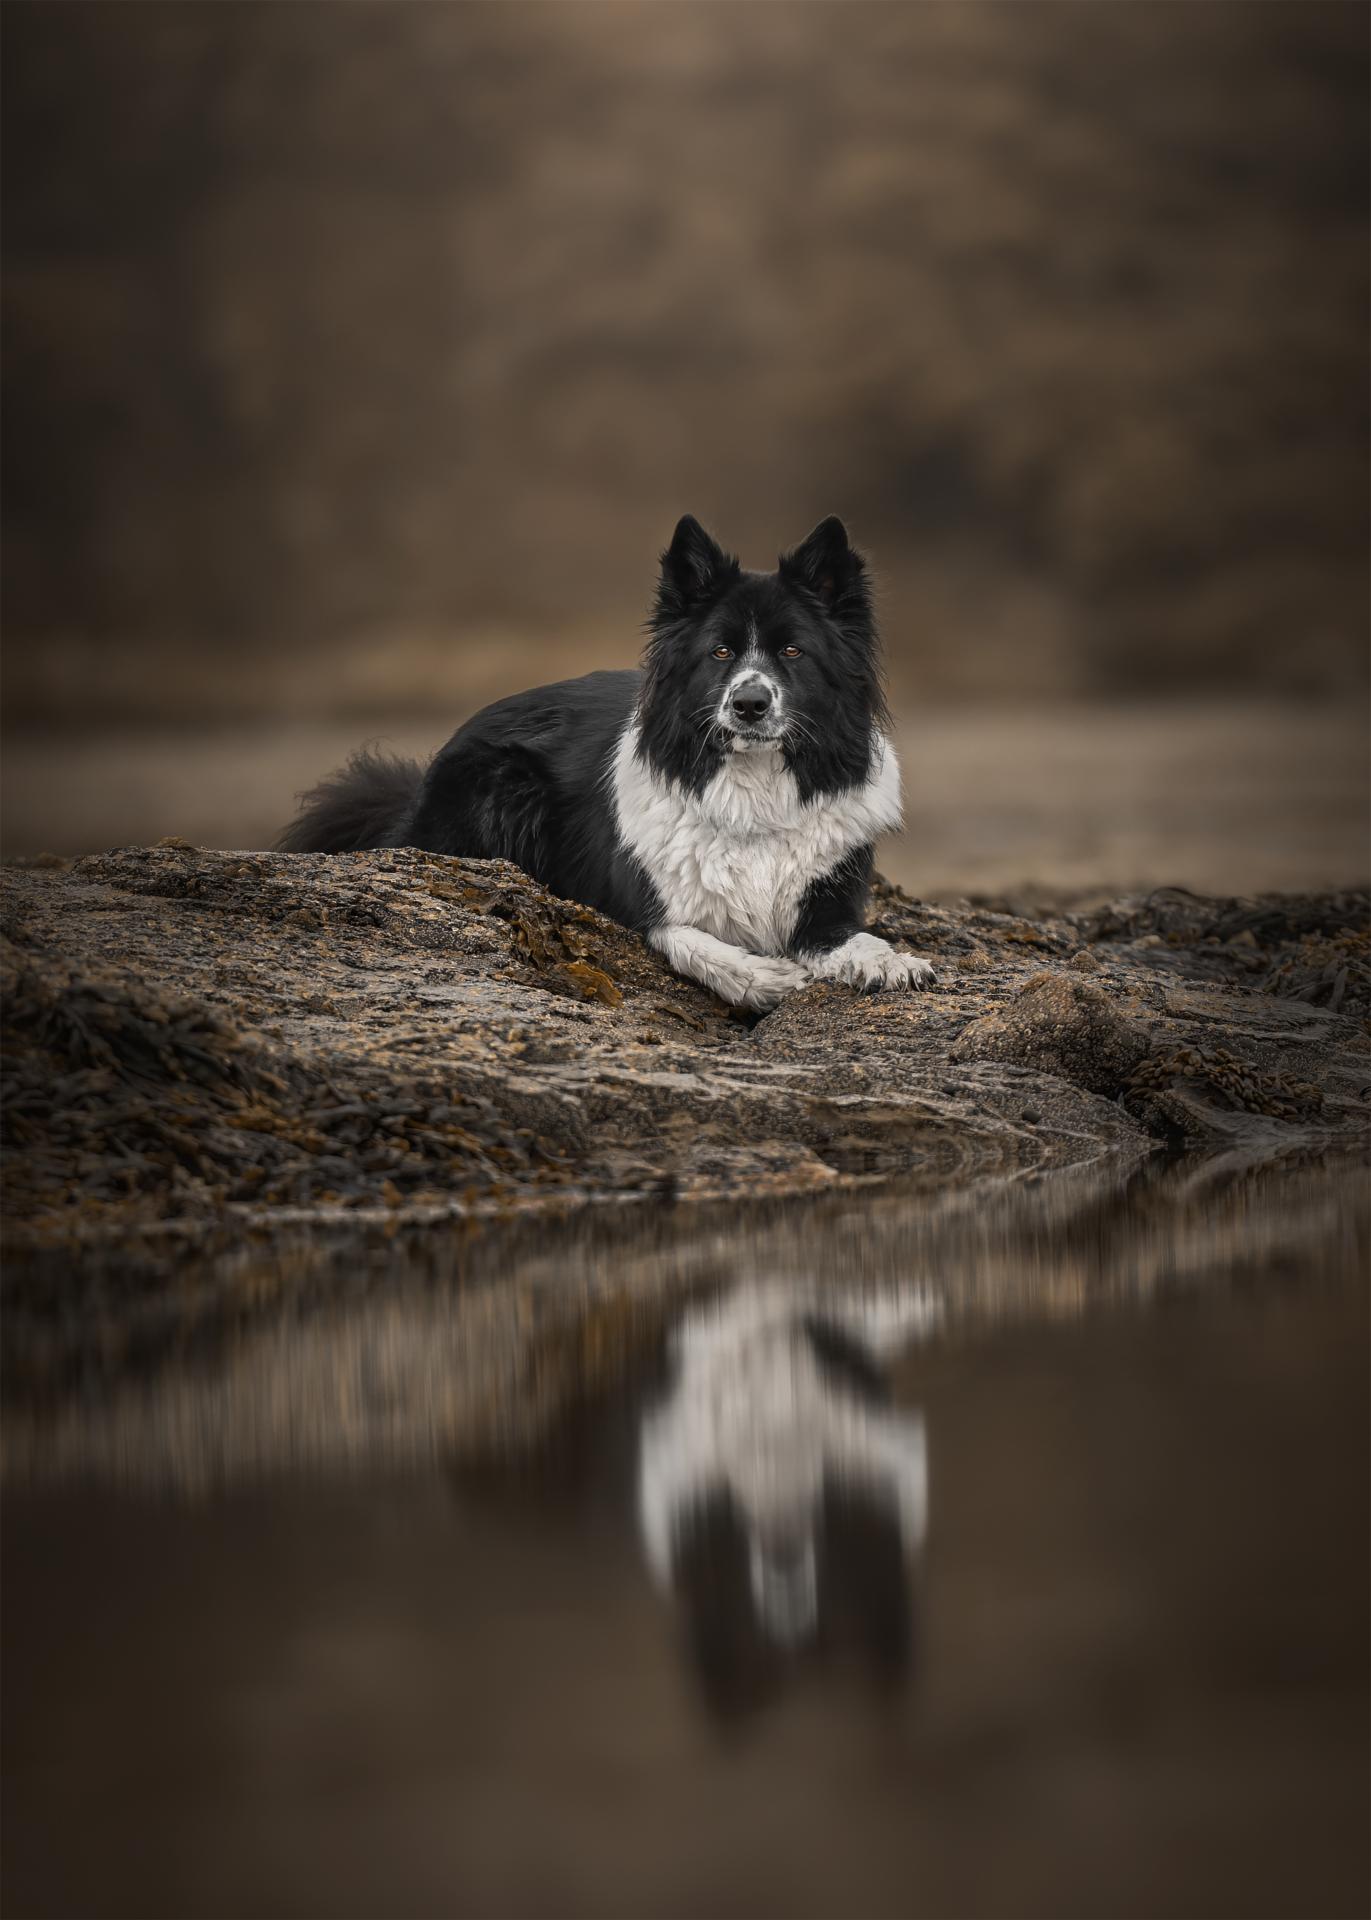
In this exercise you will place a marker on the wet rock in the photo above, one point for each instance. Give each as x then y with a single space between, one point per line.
1064 1026
201 1043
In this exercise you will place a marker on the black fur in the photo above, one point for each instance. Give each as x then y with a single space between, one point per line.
834 906
818 599
526 779
362 805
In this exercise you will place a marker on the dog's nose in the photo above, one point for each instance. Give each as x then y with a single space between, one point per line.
751 702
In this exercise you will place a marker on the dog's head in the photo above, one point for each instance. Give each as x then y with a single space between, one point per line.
739 661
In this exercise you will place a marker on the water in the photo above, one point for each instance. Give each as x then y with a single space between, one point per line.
992 1554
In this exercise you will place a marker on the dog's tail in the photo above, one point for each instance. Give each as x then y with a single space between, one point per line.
367 803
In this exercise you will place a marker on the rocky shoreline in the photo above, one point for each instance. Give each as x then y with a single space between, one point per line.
253 1099
225 1042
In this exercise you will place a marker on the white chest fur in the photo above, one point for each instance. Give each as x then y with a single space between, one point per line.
736 859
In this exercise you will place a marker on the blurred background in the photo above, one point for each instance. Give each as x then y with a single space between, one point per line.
358 360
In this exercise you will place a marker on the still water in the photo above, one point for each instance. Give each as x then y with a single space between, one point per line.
884 1556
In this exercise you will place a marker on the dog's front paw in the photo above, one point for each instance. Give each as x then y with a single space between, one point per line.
764 981
867 963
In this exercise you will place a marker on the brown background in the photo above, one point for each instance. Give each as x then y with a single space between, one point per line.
358 360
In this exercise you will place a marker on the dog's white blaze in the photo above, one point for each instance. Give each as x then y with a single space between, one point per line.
752 668
735 860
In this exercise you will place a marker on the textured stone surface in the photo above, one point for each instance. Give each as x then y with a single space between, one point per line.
1063 1026
203 1043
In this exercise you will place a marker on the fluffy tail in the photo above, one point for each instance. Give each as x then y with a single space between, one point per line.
367 803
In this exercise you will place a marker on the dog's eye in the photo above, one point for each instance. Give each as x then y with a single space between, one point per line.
722 653
790 653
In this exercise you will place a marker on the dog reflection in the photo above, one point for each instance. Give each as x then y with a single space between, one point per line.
781 1496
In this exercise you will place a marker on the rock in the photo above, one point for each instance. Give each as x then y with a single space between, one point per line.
1062 1026
224 1044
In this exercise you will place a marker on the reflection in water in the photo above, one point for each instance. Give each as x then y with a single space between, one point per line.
266 1651
780 1494
327 1356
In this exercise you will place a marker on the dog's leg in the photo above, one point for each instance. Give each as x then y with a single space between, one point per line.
866 961
744 979
829 940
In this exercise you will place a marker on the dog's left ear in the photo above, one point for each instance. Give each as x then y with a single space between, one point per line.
825 562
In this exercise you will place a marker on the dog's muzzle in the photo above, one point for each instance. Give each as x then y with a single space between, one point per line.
751 708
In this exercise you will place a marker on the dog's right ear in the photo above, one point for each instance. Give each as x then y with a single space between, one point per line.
695 569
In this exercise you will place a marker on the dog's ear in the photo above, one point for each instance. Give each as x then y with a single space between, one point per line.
694 567
825 562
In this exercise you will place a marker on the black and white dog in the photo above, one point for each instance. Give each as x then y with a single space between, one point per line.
723 800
